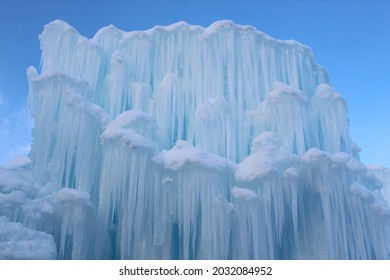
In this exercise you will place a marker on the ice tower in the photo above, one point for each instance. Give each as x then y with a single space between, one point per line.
184 142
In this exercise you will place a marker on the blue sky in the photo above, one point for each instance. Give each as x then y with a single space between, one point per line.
350 38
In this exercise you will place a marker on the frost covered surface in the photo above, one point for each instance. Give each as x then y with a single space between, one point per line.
184 142
18 242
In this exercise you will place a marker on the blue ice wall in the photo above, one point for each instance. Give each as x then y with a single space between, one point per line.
194 143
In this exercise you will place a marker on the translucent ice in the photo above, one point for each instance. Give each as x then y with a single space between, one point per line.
184 142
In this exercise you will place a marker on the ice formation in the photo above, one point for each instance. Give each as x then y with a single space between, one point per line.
184 142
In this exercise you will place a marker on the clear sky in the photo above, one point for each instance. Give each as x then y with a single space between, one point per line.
350 38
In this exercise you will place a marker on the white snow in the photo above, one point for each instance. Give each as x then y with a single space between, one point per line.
267 158
245 194
20 243
184 153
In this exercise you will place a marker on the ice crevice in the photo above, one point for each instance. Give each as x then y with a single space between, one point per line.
185 142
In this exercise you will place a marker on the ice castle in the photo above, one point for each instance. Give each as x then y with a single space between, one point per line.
185 142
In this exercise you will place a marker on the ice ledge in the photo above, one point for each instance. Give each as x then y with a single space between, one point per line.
185 153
